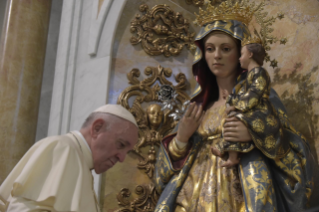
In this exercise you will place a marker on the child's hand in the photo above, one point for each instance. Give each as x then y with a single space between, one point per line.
236 131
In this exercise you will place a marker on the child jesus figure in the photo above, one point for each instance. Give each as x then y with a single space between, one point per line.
250 103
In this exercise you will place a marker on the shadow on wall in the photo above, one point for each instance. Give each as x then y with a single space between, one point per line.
300 105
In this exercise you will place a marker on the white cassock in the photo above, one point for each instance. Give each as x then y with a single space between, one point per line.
54 175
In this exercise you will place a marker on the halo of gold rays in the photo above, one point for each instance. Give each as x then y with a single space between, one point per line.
243 11
266 28
199 3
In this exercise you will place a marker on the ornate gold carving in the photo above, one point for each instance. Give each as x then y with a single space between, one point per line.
161 31
250 40
153 123
199 3
145 202
195 2
241 11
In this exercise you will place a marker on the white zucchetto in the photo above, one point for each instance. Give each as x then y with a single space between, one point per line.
117 110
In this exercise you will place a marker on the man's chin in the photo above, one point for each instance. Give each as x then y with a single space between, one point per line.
102 170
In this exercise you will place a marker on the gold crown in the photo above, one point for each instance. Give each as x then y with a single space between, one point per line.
250 40
228 10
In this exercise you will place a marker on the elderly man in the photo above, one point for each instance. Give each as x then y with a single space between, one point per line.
55 174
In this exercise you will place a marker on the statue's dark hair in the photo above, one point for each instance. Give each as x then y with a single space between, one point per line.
258 51
206 78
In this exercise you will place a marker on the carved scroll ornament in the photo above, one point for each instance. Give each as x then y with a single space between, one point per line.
146 201
161 31
199 3
153 122
153 125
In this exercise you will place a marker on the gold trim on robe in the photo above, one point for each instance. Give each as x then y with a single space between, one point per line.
208 186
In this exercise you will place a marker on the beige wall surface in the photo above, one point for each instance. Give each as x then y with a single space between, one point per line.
295 79
297 76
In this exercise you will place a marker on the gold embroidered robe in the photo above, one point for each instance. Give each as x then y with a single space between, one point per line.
251 99
208 186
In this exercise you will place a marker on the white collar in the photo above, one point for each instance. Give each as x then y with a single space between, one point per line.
80 134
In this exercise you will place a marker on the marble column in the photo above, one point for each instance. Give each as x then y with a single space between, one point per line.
22 53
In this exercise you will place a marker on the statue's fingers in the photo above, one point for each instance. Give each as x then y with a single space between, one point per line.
199 113
231 113
231 119
231 108
230 124
230 129
202 116
190 109
193 114
231 136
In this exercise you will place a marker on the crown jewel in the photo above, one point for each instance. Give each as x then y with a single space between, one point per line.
250 40
228 10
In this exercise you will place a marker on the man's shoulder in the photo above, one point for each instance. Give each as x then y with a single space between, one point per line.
56 147
63 141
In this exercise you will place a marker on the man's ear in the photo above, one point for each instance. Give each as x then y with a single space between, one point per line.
96 127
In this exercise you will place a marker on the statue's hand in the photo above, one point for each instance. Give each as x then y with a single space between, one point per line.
236 131
229 109
190 122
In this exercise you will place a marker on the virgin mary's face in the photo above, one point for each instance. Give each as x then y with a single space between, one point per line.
221 54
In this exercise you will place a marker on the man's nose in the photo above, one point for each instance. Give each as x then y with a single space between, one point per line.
121 156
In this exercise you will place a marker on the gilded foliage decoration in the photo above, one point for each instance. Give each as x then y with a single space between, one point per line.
160 30
195 2
199 3
141 99
146 201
